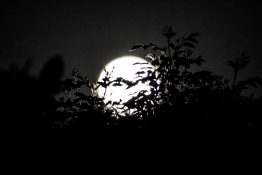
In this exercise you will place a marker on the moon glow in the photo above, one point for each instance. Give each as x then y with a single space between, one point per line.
125 68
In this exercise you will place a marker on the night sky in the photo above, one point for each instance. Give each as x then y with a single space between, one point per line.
90 33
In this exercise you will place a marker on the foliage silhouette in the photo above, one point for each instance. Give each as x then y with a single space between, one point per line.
76 108
179 98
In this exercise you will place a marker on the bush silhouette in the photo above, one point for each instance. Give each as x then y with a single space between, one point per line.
179 98
25 98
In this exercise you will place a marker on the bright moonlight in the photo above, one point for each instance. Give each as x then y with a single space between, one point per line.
125 68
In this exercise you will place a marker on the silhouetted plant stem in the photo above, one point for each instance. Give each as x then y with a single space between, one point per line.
168 47
105 92
234 78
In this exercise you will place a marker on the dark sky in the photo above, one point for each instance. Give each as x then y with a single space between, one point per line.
90 33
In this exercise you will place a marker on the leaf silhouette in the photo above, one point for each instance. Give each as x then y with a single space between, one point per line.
162 50
135 47
199 60
138 63
167 31
140 72
80 95
192 37
103 84
188 44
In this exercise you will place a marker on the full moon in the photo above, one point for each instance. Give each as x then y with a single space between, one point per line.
126 68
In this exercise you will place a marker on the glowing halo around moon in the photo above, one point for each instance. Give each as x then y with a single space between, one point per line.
123 67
